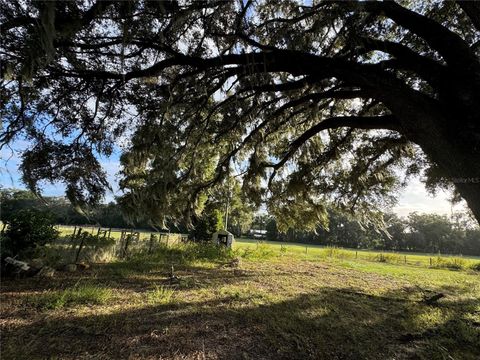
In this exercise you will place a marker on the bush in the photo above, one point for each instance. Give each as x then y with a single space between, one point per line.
209 222
26 230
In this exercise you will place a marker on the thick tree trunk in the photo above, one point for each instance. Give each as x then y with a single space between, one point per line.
458 156
470 191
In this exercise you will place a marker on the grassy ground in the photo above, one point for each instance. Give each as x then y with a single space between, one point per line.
273 305
316 252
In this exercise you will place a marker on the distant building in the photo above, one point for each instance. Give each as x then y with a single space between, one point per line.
258 234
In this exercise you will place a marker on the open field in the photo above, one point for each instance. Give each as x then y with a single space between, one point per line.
270 305
315 252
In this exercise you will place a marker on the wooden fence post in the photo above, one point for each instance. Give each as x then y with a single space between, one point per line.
150 247
82 237
127 242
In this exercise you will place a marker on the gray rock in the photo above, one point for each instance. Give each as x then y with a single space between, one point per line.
46 272
37 263
70 268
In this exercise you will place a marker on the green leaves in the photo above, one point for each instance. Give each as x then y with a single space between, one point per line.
26 230
193 89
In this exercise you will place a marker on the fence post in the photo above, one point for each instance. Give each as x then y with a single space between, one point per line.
356 255
80 247
430 261
127 242
405 258
151 243
306 249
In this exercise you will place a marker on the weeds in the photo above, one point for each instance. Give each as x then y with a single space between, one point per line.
261 252
334 252
388 258
475 267
188 253
159 295
85 294
448 263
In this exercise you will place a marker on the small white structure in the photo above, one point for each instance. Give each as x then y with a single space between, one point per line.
258 234
223 237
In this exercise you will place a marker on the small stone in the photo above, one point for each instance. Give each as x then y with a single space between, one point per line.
46 272
70 268
82 266
235 263
37 263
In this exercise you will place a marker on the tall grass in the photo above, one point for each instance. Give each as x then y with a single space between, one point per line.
79 294
159 295
449 263
190 252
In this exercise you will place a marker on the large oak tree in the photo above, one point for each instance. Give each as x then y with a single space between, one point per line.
306 101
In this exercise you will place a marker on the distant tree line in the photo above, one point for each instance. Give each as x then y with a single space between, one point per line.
110 215
417 233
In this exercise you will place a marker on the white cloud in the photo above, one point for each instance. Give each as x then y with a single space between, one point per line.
415 198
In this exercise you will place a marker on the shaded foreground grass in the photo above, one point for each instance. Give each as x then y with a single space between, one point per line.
268 307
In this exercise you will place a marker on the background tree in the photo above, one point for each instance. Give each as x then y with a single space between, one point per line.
222 198
317 103
209 222
432 232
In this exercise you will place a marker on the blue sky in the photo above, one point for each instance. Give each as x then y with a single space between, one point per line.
413 198
10 177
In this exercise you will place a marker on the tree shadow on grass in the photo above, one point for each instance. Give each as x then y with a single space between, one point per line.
333 323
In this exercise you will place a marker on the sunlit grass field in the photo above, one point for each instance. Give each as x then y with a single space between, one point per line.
273 249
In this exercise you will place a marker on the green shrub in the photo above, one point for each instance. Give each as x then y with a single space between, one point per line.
28 229
210 222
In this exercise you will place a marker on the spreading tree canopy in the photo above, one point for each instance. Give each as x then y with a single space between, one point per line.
305 101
